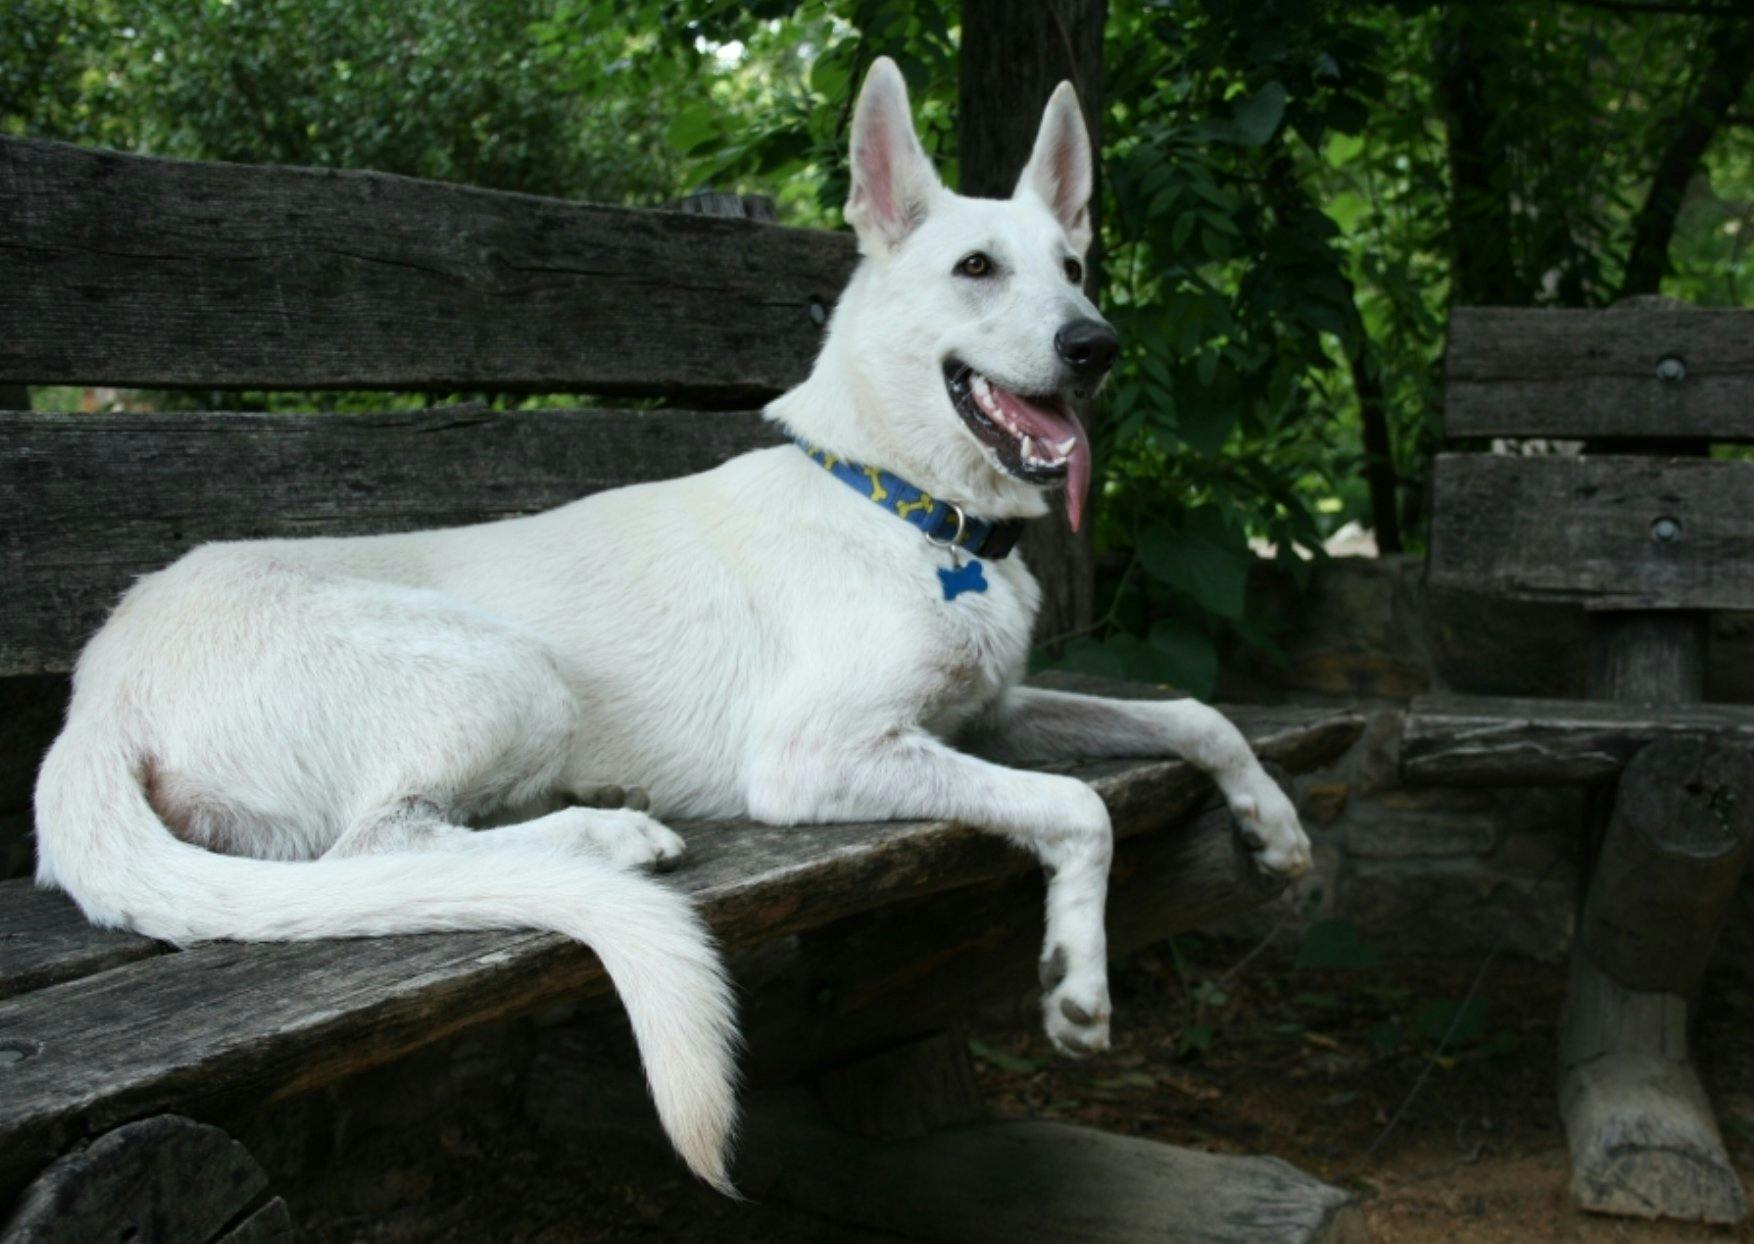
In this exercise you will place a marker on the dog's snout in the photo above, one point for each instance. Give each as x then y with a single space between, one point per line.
1088 347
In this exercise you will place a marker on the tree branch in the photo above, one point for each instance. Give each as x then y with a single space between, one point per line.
1700 118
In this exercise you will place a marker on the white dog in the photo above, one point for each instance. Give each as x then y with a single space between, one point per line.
288 739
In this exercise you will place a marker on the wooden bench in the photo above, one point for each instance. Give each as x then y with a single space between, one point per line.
122 1058
1647 532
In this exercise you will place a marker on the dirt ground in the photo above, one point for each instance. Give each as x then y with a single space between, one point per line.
1311 1065
1219 1048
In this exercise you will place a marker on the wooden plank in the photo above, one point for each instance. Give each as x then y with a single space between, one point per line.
998 1182
1600 375
125 270
90 502
1505 741
278 1019
1609 532
162 1179
45 940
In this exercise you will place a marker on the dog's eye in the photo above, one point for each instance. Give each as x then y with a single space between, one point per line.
1074 272
975 264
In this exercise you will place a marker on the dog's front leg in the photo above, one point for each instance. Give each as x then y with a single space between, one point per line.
1035 725
907 774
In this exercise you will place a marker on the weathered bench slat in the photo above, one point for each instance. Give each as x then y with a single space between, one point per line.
280 1018
1595 374
1502 741
44 940
1611 532
90 502
126 270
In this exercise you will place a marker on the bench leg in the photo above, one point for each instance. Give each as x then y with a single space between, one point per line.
1643 1140
897 1144
162 1180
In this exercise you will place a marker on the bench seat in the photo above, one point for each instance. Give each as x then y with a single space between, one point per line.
1507 741
97 1028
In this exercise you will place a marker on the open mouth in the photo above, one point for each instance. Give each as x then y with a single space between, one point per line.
1036 438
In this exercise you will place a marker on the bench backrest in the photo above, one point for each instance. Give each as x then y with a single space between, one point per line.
123 270
1642 520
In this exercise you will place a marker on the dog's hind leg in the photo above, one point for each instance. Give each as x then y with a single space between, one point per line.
908 774
620 836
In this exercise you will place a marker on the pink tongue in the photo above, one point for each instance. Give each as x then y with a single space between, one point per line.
1053 426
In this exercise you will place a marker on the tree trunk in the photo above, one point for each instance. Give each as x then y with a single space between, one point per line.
1013 56
1483 271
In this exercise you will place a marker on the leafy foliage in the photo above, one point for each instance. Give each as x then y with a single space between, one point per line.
1296 192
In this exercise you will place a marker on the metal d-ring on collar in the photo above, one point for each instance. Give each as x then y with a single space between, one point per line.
954 541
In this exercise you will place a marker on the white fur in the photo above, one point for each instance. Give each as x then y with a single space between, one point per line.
327 715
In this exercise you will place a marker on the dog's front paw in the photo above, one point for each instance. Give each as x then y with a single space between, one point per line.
1074 1007
1271 830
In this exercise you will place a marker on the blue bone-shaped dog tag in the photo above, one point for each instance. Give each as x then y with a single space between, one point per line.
960 579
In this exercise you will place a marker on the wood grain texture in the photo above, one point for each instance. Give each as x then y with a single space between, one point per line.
1649 656
1504 741
1003 1182
44 939
134 271
1642 1137
1594 374
157 1181
278 1019
1643 1141
1585 529
1677 842
90 502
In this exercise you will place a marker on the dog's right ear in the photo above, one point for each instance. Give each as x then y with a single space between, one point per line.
893 181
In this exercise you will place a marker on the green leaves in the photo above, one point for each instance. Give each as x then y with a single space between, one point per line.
1202 557
1255 120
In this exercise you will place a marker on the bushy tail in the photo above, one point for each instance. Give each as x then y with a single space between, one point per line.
100 840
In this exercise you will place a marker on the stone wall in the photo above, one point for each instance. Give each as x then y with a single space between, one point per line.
1430 869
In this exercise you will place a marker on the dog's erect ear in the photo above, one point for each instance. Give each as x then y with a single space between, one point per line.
1058 172
893 181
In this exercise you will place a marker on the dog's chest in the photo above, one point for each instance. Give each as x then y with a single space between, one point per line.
973 642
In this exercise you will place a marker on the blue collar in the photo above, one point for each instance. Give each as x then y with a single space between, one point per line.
942 522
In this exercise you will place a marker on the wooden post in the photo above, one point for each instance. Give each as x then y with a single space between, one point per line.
162 1179
1013 56
1643 1140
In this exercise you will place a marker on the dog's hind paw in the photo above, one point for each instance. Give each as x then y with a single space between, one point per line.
1076 1017
630 839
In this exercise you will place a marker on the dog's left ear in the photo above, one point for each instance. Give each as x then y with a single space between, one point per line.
1059 169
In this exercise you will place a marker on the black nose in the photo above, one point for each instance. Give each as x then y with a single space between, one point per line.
1088 346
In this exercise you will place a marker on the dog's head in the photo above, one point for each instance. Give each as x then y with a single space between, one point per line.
967 333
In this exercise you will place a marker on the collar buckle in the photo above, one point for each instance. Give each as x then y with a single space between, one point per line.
961 527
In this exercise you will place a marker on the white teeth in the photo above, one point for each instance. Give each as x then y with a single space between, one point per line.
1065 447
1029 450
